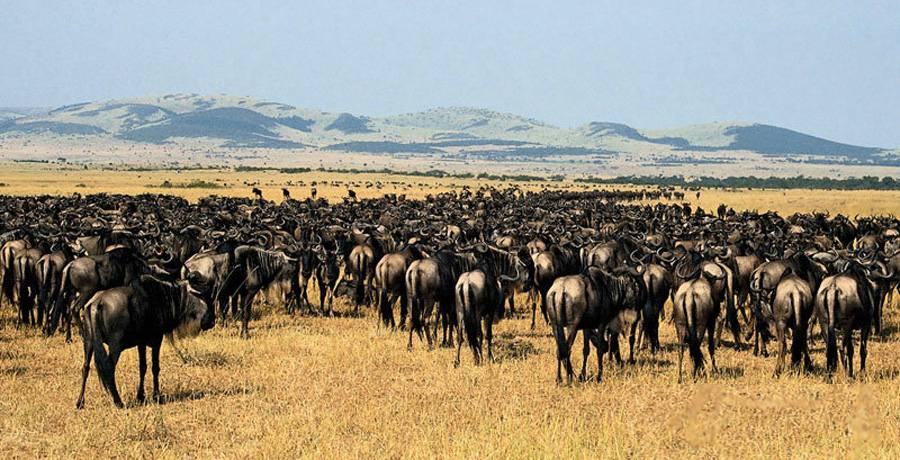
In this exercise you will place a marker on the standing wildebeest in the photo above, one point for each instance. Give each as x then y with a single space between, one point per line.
138 315
659 282
695 313
549 265
27 282
257 269
479 297
390 274
49 270
588 302
846 301
430 281
792 307
8 254
84 276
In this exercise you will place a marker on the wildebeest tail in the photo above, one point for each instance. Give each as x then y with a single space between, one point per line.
415 304
44 268
362 266
830 297
562 346
690 313
8 281
470 319
60 303
93 331
798 344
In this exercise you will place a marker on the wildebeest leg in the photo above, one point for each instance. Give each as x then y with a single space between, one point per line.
585 352
848 346
534 312
597 340
404 311
863 349
428 313
489 335
571 334
323 292
631 359
384 307
459 335
85 370
782 346
154 368
107 372
247 301
142 369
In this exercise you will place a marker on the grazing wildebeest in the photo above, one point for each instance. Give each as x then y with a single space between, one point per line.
139 315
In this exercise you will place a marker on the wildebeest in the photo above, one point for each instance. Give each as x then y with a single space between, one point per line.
846 301
138 315
589 302
479 298
695 313
84 276
792 308
390 281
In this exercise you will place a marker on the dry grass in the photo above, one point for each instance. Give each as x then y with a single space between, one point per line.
343 387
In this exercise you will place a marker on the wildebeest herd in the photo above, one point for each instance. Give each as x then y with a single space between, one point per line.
130 270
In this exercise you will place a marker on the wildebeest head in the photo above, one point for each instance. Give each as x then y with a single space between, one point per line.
190 314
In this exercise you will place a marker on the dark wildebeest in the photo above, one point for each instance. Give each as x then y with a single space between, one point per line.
8 254
430 281
792 308
390 281
588 302
84 276
659 282
846 301
549 265
327 277
479 297
139 315
257 269
27 282
695 313
50 267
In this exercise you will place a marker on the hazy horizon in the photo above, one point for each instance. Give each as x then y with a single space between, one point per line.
829 71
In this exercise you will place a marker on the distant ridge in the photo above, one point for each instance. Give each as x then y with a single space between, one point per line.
195 120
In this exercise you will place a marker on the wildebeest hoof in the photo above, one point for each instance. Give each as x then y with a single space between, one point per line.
765 354
79 404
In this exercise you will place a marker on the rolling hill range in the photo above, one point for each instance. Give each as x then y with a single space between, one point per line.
235 127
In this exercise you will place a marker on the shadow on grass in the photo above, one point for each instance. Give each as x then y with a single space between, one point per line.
513 350
14 371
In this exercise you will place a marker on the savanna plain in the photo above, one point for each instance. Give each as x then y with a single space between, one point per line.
317 387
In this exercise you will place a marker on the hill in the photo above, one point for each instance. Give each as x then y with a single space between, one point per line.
179 122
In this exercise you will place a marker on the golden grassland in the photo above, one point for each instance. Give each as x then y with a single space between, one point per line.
314 387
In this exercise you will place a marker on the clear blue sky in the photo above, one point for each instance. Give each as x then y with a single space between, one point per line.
828 68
